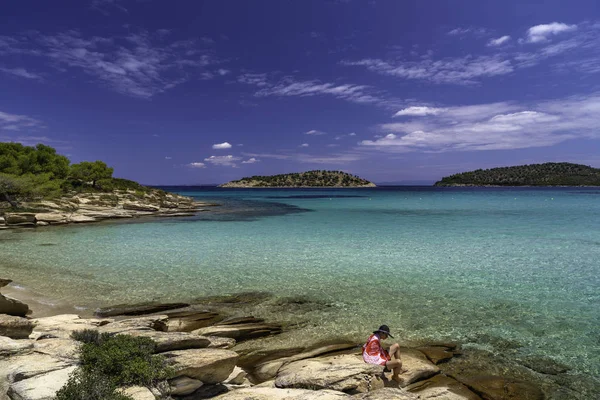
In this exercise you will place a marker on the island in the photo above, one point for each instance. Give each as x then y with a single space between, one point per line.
316 178
546 174
39 187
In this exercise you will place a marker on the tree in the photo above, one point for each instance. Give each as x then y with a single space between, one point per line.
87 172
14 189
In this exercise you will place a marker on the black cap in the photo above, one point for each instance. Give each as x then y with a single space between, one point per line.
384 329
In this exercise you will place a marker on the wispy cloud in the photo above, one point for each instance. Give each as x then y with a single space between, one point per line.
223 161
542 33
499 41
251 160
467 31
304 145
315 132
494 126
419 111
142 64
15 122
21 73
193 164
221 146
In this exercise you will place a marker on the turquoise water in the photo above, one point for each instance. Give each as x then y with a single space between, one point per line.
510 270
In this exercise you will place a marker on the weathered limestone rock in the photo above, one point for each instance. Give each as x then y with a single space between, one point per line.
51 217
442 387
61 326
346 373
40 387
184 385
30 365
437 354
4 282
2 221
62 349
77 218
138 393
19 218
220 343
12 306
205 365
237 376
498 388
389 394
148 323
10 347
240 332
15 327
418 366
129 205
192 317
169 341
282 394
41 223
138 309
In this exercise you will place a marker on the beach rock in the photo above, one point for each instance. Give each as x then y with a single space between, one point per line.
130 205
41 223
206 392
148 323
499 388
184 385
138 393
15 327
62 349
61 326
544 365
389 394
345 373
30 365
40 387
282 394
189 318
220 342
417 365
51 217
138 309
237 376
12 306
4 282
77 218
169 341
437 354
442 387
205 365
20 218
10 347
240 332
2 221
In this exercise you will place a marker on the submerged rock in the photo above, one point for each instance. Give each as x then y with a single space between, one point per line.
137 309
442 387
499 388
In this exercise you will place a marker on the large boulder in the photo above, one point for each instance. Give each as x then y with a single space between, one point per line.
13 307
61 326
442 387
40 387
169 341
345 373
240 332
183 385
10 347
19 218
205 365
15 327
51 218
263 393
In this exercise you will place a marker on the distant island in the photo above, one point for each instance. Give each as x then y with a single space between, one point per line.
316 178
547 174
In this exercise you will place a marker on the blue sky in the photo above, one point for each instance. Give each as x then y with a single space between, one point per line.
199 92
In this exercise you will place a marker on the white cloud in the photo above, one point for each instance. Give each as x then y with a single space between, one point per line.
251 161
168 158
465 31
352 134
304 145
499 41
224 161
495 126
21 73
195 164
221 146
15 122
419 111
139 64
223 71
314 132
541 33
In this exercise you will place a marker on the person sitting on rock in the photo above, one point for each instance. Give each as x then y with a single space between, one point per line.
374 353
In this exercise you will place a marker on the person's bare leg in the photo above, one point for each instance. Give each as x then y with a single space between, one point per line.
397 368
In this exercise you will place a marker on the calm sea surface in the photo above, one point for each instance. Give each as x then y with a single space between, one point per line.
493 268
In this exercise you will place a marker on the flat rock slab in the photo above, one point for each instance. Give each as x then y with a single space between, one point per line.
63 325
417 365
389 394
436 354
9 347
40 387
498 388
241 332
63 349
149 323
13 307
15 327
442 387
190 318
169 341
205 365
282 394
138 393
345 373
30 365
137 309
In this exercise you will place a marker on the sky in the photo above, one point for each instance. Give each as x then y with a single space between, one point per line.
203 92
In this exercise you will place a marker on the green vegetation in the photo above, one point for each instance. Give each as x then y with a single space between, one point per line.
109 362
317 178
547 174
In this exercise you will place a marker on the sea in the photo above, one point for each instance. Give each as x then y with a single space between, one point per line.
491 268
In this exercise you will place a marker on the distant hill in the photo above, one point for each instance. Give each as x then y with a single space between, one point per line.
317 178
547 174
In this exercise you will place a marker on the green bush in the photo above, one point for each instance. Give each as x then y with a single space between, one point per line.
89 336
89 386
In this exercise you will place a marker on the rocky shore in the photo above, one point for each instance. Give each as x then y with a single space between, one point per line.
94 207
215 352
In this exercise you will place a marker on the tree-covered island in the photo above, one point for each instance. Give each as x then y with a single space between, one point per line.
546 174
316 178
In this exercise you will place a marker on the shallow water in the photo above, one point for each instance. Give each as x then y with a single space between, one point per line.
510 270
